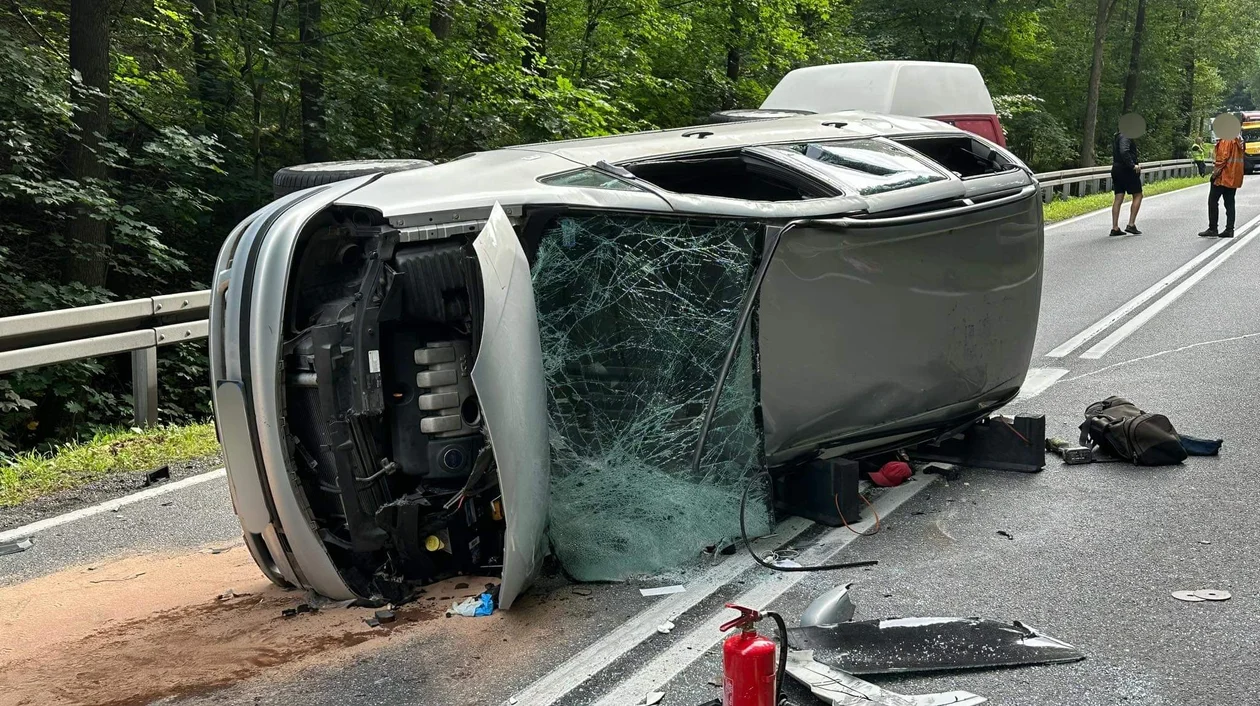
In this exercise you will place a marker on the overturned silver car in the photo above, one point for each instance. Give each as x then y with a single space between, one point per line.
461 368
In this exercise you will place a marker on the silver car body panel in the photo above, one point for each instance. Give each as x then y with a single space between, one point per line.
862 322
406 198
508 376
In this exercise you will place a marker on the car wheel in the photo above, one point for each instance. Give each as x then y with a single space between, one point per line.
747 114
304 176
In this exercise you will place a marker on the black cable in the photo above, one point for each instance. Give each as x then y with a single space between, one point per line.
781 673
747 545
743 532
745 311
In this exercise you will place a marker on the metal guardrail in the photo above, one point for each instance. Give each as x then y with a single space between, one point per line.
1093 180
137 327
141 326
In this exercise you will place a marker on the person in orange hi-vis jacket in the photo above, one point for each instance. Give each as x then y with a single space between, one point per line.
1227 178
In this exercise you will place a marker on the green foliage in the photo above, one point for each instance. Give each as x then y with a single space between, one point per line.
29 475
204 108
1033 133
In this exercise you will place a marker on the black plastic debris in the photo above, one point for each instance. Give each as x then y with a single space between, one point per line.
1004 533
385 616
372 622
302 608
928 644
369 603
157 476
17 546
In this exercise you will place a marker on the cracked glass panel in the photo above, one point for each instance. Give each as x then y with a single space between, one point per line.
635 316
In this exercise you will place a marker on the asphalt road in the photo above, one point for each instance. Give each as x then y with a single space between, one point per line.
1094 555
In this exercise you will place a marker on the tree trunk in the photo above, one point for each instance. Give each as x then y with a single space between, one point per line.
1189 19
1131 81
214 85
311 83
1101 20
1187 98
441 22
88 259
535 33
975 38
734 57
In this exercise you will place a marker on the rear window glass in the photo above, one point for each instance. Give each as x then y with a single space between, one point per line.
867 166
1251 134
591 179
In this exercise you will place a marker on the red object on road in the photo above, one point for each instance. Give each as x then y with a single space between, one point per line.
892 474
748 664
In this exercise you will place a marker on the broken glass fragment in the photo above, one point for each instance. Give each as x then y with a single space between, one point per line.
635 315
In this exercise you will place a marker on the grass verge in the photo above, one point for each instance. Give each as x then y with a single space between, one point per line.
1070 208
31 475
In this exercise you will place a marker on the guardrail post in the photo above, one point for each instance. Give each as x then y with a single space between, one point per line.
144 386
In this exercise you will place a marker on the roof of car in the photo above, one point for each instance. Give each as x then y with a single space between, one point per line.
510 175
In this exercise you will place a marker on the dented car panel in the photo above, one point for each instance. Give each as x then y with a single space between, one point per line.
509 379
896 337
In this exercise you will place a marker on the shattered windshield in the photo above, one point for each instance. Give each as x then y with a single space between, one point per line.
867 166
591 179
635 315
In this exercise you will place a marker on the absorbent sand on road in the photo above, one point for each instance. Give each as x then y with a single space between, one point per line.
136 629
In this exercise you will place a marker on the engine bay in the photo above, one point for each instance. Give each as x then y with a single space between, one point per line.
384 431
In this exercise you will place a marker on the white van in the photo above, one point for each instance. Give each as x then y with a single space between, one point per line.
952 93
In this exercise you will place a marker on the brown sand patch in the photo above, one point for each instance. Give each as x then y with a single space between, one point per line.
138 629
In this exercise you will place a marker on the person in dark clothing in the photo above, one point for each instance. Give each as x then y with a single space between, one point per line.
1126 177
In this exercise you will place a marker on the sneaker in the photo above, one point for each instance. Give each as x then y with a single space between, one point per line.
1209 233
1227 233
1115 232
1133 230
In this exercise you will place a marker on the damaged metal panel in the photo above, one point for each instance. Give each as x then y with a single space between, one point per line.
833 607
954 295
508 377
842 689
929 644
636 315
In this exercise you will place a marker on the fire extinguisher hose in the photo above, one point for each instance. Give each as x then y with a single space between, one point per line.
780 674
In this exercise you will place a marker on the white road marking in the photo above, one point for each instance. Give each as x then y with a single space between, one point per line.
109 505
1132 325
625 637
684 652
1130 306
1038 381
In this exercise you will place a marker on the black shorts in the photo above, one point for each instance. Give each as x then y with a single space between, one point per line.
1126 181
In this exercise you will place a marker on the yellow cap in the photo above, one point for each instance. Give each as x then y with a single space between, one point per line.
433 544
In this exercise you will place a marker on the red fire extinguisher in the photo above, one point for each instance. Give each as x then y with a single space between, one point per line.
748 665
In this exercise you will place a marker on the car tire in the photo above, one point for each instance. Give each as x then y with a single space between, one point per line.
747 114
304 176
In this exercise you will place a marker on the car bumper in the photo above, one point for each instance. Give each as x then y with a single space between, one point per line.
246 316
